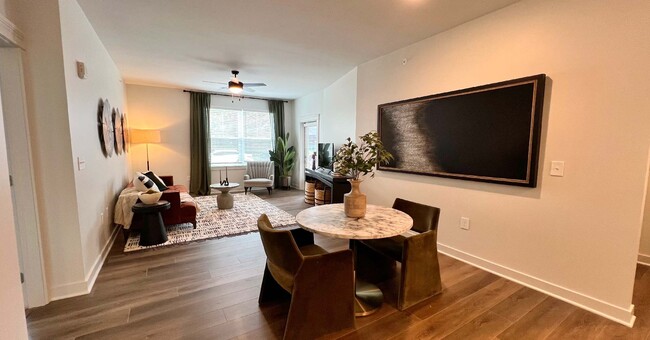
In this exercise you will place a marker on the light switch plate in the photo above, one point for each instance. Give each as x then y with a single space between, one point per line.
557 168
464 223
81 163
81 70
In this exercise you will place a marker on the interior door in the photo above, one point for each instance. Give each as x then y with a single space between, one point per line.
310 144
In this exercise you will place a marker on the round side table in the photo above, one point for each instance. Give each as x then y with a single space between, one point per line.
224 199
153 229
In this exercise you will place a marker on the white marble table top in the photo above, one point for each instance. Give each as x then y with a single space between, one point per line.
230 186
330 220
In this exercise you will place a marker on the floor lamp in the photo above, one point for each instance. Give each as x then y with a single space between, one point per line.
145 137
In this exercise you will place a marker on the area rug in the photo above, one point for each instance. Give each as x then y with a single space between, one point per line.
215 223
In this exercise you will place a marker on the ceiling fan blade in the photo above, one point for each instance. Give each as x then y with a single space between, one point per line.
214 82
248 90
254 84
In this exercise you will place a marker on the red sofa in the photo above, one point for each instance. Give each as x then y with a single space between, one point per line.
178 213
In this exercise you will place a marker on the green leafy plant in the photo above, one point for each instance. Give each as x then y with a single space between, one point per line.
360 160
284 157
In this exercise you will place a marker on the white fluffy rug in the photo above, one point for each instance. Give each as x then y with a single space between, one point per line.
215 223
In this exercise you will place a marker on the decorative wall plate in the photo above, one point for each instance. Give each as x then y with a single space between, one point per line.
118 131
106 127
125 133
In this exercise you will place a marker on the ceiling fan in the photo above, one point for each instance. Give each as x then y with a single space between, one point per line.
235 86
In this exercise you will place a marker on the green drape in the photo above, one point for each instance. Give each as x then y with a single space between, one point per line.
276 108
200 172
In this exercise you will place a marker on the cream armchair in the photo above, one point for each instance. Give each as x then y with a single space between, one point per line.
259 174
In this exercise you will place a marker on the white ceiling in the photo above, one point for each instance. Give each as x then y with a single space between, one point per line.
294 46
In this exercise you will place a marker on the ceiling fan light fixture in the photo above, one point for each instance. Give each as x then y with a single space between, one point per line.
235 87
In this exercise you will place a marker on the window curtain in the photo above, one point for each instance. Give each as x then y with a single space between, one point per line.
200 172
276 108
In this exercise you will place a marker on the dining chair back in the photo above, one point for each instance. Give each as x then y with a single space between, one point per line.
416 250
320 284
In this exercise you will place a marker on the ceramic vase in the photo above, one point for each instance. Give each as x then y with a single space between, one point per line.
354 202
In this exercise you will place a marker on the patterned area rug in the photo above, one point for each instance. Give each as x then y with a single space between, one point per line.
215 223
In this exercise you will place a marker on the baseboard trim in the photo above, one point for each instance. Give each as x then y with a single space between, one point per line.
621 315
643 259
86 286
99 262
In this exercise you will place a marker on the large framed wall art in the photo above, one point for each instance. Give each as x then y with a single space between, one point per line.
489 133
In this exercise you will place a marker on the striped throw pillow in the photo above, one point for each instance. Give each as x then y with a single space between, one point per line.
143 183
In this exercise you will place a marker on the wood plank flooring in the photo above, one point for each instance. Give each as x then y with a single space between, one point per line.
209 289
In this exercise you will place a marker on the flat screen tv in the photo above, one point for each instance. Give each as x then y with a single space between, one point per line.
326 155
488 133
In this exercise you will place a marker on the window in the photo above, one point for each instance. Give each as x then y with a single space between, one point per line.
238 136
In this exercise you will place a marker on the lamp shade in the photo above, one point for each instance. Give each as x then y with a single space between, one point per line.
145 136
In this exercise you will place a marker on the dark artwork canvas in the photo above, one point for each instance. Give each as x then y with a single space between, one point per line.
488 133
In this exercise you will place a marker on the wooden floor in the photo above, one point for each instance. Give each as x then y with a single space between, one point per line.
208 290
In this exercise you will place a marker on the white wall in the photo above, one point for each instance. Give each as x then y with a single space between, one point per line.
574 236
339 110
99 184
62 112
9 9
51 147
335 108
169 110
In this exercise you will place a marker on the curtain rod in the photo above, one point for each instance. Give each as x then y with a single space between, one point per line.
242 97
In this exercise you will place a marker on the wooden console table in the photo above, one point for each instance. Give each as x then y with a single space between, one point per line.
338 184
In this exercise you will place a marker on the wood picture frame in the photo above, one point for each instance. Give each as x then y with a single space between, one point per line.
489 133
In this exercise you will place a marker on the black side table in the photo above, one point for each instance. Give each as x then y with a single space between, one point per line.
153 229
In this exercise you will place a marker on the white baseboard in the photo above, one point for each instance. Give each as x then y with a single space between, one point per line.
99 262
68 290
85 287
624 316
643 259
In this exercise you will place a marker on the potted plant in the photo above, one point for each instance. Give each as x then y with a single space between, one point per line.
284 158
355 161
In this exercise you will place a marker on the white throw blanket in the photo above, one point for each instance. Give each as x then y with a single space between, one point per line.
123 212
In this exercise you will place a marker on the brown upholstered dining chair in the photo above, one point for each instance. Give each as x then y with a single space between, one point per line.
416 250
321 284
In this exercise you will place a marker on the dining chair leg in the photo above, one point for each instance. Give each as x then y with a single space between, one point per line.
271 291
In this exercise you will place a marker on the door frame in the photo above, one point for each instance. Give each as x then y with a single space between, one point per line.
20 160
301 148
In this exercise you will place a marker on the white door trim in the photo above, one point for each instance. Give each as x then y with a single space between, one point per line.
21 169
301 146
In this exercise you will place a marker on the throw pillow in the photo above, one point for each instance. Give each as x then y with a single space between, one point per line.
143 183
157 180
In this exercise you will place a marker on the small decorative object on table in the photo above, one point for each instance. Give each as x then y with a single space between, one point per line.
356 160
225 182
150 196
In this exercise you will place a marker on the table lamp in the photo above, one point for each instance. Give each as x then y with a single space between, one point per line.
145 137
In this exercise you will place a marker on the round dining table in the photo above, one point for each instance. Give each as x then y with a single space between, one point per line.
379 222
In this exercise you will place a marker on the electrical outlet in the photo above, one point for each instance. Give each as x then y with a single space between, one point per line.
464 223
557 168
